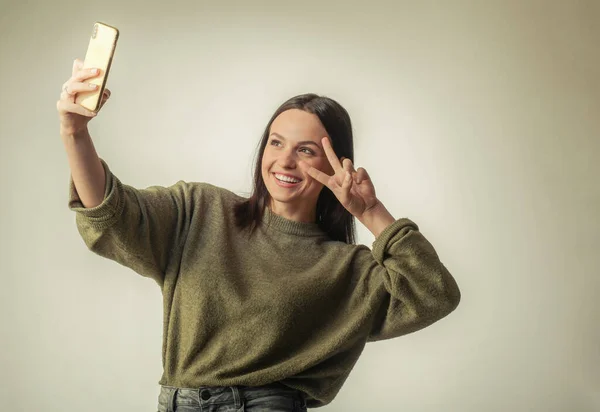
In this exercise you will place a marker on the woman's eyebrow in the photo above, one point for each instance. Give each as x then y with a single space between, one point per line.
300 143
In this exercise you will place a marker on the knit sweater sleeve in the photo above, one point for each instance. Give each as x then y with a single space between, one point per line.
409 286
142 229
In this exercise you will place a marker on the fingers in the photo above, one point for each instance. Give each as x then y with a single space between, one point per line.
331 156
76 83
72 88
343 179
65 106
348 176
80 73
359 175
349 168
347 165
362 175
86 74
346 186
316 174
105 97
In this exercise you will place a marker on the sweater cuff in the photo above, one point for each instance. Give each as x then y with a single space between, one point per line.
106 212
395 232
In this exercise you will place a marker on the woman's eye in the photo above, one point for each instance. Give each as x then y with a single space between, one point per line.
305 150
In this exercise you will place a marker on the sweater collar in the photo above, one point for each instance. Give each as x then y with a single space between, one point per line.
291 227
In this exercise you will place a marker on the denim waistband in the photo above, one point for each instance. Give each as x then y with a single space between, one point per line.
171 397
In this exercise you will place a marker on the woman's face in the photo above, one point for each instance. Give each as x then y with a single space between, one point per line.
294 135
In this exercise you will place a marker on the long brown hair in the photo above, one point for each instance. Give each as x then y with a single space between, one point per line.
332 217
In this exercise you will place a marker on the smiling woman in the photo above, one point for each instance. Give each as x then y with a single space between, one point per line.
268 303
292 140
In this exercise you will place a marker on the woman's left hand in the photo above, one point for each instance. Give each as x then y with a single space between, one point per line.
353 188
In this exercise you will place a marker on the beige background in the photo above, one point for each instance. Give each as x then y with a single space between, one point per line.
479 120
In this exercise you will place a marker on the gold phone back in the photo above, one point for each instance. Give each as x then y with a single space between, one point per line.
99 55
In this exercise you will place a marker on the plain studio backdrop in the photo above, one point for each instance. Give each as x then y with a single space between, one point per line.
478 120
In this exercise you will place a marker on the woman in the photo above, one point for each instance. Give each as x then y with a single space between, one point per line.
268 303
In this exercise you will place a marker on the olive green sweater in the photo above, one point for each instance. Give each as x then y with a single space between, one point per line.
286 304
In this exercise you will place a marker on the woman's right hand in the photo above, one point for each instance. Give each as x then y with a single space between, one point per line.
73 116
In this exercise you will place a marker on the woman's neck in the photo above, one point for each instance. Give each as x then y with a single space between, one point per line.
294 212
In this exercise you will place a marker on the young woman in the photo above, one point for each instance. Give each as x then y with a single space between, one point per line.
268 303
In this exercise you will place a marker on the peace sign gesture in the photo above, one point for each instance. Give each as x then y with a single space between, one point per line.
353 188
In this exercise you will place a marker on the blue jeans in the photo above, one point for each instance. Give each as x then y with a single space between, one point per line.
268 398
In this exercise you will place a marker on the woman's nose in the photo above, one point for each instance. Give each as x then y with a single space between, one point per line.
288 159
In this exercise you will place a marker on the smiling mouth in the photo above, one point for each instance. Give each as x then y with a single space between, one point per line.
286 181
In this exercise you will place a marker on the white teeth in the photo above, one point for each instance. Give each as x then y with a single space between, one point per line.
286 179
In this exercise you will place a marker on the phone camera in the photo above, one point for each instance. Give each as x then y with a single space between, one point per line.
95 32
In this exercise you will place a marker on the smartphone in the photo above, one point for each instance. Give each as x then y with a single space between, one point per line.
100 52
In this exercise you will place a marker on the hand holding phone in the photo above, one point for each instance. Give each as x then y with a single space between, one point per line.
84 94
100 53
